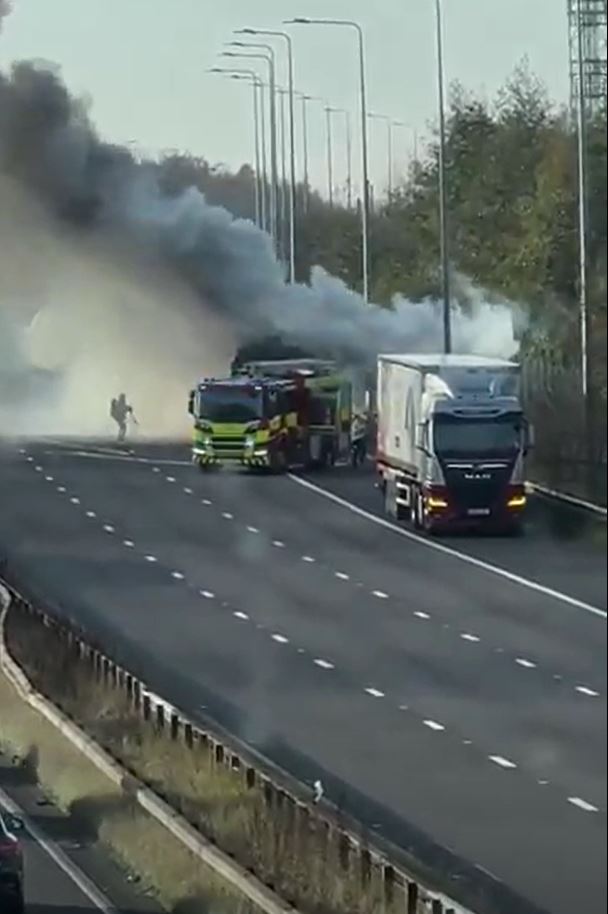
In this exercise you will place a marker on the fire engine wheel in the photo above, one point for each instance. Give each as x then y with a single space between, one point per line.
278 461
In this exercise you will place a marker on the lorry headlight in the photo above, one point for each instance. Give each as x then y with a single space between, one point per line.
250 442
207 441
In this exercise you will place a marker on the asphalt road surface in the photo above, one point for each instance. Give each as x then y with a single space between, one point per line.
65 874
451 694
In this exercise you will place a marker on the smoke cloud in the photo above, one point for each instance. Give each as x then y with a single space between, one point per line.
5 8
122 286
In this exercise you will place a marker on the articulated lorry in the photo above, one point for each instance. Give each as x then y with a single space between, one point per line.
452 439
274 415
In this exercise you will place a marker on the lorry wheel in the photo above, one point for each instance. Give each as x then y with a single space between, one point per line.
415 509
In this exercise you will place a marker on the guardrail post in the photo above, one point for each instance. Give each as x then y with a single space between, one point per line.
160 717
146 707
412 897
174 726
219 754
365 863
436 906
388 880
137 694
344 848
268 793
250 778
188 735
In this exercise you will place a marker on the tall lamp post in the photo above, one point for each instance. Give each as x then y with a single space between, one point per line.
284 36
443 217
259 138
268 56
351 24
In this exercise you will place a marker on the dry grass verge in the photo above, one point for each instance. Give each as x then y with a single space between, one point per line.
287 850
179 881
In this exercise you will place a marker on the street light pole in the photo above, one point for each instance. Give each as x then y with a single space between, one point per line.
330 170
292 140
269 58
347 23
582 203
259 191
283 186
349 176
389 150
305 188
443 219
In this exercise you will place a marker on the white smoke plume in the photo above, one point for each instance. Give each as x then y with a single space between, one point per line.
122 286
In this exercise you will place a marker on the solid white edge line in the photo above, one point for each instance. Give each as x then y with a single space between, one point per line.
453 553
59 858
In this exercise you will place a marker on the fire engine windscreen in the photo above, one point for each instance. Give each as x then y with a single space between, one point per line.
231 403
498 437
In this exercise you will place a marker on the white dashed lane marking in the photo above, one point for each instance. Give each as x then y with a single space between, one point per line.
61 489
433 725
38 469
280 639
177 575
527 664
91 514
241 615
342 576
227 515
375 693
502 762
308 558
151 558
323 664
252 530
582 804
206 502
170 478
278 544
466 636
585 690
463 557
75 500
49 478
421 615
380 594
207 594
108 528
128 543
156 469
187 490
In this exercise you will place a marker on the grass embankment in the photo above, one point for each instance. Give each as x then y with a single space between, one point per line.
104 813
297 857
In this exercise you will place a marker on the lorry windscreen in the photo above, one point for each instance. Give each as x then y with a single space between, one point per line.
231 404
456 437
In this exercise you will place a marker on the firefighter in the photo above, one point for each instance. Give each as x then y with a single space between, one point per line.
120 411
359 439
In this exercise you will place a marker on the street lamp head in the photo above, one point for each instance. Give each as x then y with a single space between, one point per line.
237 44
298 20
245 31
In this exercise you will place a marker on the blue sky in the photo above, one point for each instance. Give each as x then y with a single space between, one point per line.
143 63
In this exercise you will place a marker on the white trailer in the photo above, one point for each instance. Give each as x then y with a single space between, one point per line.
451 440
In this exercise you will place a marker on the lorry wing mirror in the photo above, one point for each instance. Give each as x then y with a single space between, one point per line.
191 403
422 437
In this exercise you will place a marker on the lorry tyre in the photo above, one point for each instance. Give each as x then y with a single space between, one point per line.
416 516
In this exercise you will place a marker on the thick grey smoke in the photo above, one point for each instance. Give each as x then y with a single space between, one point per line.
5 8
104 201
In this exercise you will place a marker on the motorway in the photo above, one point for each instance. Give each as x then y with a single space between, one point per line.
65 874
451 694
